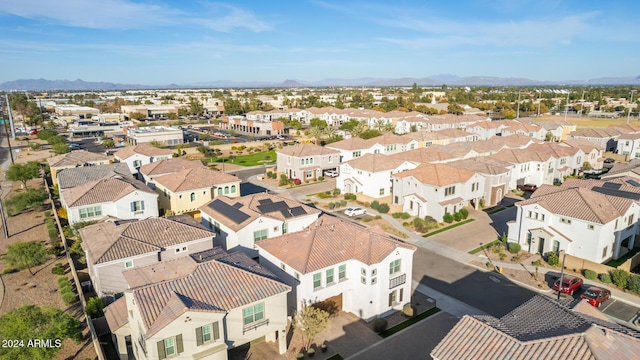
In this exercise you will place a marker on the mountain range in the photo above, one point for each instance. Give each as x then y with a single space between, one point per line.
435 80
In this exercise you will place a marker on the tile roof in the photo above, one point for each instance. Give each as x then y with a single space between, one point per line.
437 174
375 162
422 155
76 158
586 145
605 133
620 168
176 286
193 179
116 314
301 150
253 206
117 240
581 203
72 177
329 242
103 191
483 165
169 166
540 329
145 149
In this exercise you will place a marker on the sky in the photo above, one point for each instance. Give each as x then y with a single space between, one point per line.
189 42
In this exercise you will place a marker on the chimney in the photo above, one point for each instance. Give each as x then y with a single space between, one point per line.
332 227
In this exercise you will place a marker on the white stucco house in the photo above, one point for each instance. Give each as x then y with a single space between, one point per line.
594 222
185 309
370 174
142 154
350 268
118 197
240 223
387 144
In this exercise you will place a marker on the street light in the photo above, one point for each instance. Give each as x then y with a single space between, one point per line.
562 274
629 110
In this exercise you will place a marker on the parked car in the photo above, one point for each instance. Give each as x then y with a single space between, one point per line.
74 146
355 211
331 173
528 187
569 284
609 161
596 295
33 132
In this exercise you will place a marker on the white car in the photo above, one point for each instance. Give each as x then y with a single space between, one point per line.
355 211
331 173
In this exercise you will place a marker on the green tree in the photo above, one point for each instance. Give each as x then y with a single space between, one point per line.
109 143
34 322
60 149
23 172
195 107
26 255
156 143
371 133
315 122
455 109
232 107
95 307
25 200
310 321
136 116
339 103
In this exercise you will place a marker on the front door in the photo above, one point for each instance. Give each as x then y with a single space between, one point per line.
541 245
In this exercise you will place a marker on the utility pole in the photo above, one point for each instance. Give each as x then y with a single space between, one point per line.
629 109
562 274
539 101
566 106
13 128
4 218
518 113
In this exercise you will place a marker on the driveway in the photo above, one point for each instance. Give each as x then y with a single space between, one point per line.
414 342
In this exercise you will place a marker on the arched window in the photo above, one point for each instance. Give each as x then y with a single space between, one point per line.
226 189
233 189
219 191
193 197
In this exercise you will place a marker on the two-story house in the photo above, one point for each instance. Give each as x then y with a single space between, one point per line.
629 144
437 189
149 172
593 154
306 162
350 268
370 174
606 138
119 197
186 190
384 144
75 159
72 177
199 307
114 246
529 167
496 176
142 154
242 222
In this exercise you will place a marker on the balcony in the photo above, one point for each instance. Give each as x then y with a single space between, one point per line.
397 281
254 325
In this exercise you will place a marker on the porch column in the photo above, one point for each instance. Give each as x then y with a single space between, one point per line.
282 341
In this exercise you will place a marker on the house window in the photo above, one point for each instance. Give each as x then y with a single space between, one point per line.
90 212
253 313
363 280
137 163
590 227
284 228
317 280
192 197
329 276
309 174
329 159
301 161
449 190
169 347
393 297
260 235
297 276
208 332
283 266
216 227
165 193
394 267
128 264
342 272
233 189
374 280
381 191
219 191
630 220
182 249
137 206
226 190
356 154
565 221
604 251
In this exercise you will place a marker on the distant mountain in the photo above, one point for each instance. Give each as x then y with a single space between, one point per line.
435 80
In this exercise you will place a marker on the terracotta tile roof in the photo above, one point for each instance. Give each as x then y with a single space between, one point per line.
437 174
425 136
76 158
183 284
302 150
253 206
169 166
375 162
145 149
605 133
103 191
332 241
553 149
586 145
423 155
116 314
455 133
620 168
356 143
581 203
520 156
117 240
72 177
540 329
194 179
483 165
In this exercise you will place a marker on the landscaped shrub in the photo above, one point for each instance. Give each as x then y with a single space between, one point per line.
383 208
620 278
47 213
343 203
590 274
605 278
464 213
401 215
380 325
58 269
320 178
514 248
332 206
634 284
336 192
284 180
448 218
269 174
350 196
68 297
52 228
457 216
552 258
375 204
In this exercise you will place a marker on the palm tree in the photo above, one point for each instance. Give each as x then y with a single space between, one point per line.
315 132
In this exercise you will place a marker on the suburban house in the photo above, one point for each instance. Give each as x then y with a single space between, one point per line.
542 328
606 138
186 190
149 172
532 130
593 154
74 159
450 121
306 162
384 144
411 124
344 265
162 134
486 130
529 167
199 307
240 223
118 197
496 176
423 156
589 219
72 177
436 189
370 174
631 169
114 246
629 144
141 154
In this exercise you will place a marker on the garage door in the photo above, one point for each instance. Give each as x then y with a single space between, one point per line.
331 305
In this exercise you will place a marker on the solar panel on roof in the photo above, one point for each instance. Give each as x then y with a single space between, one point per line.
610 185
633 183
228 211
272 206
237 205
617 193
298 210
